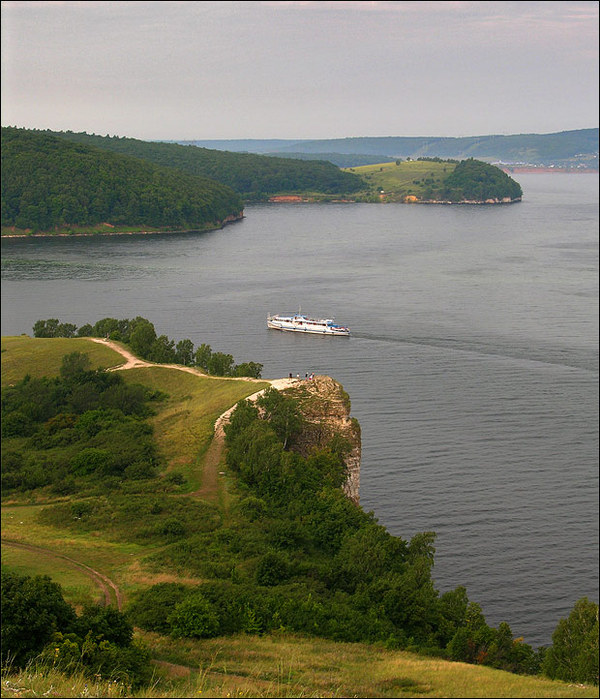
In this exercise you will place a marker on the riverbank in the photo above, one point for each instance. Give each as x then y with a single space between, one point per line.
532 169
106 229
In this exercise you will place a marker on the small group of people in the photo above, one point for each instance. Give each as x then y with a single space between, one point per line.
307 377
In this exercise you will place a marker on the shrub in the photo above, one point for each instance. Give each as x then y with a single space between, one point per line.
195 617
573 656
150 608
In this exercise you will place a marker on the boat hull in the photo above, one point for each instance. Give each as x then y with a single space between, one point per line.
302 324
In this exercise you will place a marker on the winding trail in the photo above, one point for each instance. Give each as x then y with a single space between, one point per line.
212 458
134 362
102 581
210 474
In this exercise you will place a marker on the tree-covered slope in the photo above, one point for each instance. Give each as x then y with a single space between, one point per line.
473 180
579 146
50 183
432 180
253 176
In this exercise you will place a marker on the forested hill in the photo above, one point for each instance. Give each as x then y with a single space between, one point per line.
565 148
51 184
254 177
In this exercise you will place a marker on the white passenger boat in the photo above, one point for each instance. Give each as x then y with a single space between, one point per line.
300 323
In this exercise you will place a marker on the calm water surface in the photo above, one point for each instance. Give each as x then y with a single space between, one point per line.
472 366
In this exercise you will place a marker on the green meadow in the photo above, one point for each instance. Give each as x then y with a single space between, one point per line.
396 181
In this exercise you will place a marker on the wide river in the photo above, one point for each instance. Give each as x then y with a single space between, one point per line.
472 366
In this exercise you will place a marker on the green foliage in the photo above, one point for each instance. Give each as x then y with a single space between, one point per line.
80 425
474 180
475 642
50 182
151 607
105 623
252 176
282 413
194 617
52 328
573 656
33 608
273 569
96 658
36 621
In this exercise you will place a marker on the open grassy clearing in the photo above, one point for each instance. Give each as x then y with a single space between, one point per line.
406 178
39 357
78 588
285 665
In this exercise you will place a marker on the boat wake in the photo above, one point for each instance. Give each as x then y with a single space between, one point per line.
572 358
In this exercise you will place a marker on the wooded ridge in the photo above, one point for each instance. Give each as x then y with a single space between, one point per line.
51 183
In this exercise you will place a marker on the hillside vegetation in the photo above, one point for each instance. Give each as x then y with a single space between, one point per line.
50 184
76 183
565 148
434 180
254 177
111 469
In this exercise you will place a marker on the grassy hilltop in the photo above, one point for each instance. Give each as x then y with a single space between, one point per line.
133 535
435 180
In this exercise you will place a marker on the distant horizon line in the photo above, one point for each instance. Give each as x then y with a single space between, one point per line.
321 138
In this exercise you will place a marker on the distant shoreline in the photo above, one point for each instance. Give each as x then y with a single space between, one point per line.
543 170
48 234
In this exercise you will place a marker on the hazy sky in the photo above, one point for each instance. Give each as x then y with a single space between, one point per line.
198 70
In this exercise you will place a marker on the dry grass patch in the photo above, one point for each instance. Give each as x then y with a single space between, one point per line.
283 665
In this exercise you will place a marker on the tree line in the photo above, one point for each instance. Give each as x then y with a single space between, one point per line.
140 335
51 183
253 177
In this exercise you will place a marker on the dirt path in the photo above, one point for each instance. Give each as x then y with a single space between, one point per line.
210 473
134 362
104 583
210 476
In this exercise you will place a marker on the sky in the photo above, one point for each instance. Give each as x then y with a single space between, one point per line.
299 70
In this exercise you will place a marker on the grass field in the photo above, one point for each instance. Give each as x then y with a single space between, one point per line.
78 588
283 665
38 357
397 181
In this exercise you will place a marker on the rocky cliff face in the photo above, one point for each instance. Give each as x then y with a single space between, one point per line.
326 408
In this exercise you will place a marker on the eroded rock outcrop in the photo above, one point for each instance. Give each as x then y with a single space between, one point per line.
326 408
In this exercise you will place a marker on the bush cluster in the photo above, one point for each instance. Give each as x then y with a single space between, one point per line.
84 424
140 335
38 623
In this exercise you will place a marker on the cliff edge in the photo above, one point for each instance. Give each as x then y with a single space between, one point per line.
325 407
